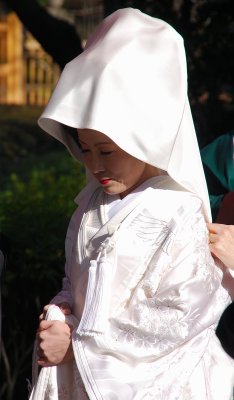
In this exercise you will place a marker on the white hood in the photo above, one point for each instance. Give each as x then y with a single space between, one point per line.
131 84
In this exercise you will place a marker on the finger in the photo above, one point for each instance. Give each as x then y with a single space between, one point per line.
41 317
44 324
43 362
65 308
40 353
212 238
43 314
215 228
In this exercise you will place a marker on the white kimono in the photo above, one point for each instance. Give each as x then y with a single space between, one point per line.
153 300
141 281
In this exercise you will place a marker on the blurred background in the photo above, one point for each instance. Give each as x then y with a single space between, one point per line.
38 180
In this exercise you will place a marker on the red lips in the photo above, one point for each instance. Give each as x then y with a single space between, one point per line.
104 181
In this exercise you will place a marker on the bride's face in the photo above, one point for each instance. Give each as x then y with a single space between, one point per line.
117 171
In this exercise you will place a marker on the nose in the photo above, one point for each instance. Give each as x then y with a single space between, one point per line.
97 165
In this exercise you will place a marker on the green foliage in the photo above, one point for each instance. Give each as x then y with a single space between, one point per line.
21 140
34 215
38 184
43 2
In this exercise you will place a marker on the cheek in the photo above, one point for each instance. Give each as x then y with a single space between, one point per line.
87 161
136 167
133 171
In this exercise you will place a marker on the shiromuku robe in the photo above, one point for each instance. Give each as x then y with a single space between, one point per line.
148 296
140 278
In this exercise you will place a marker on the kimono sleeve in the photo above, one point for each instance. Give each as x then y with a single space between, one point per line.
187 296
82 200
65 295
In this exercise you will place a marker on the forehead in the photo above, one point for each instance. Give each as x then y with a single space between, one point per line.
91 136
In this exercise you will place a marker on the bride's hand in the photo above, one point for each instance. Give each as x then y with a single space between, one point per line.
54 343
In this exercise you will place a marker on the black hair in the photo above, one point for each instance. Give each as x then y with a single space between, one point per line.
72 132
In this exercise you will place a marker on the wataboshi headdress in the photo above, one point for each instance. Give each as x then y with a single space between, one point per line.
130 83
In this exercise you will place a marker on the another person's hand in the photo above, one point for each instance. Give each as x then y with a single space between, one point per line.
64 307
221 243
54 343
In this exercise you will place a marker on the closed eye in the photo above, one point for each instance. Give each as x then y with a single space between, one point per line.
106 153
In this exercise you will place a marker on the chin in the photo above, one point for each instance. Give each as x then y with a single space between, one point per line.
115 190
111 193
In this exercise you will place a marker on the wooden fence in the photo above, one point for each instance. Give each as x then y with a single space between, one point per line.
27 74
41 75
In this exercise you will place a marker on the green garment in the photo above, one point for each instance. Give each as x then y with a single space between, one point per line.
218 163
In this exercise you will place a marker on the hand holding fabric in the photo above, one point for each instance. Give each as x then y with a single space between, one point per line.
64 307
53 350
54 343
